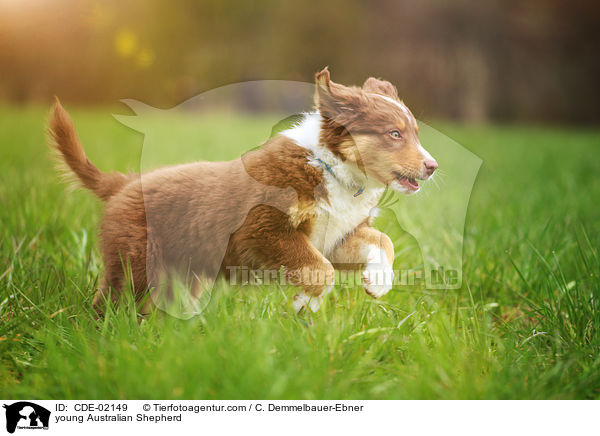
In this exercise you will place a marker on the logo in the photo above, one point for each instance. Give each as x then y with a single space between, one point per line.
26 415
432 221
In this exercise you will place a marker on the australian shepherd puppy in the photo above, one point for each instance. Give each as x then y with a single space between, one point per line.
301 204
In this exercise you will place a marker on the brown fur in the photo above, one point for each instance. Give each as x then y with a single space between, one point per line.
66 143
257 211
355 123
143 227
349 251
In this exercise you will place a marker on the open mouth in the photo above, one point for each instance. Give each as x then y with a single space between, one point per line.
408 182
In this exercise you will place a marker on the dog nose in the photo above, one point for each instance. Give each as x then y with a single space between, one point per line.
430 165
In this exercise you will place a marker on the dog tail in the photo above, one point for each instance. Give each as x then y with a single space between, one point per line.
65 142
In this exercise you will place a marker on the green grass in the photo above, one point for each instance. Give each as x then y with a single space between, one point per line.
525 324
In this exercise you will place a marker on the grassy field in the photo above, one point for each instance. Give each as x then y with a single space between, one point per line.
526 323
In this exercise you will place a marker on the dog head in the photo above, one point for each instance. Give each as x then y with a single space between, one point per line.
372 129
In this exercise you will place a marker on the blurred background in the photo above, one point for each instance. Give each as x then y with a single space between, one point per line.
533 61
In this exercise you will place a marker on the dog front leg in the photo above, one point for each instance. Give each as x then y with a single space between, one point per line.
372 252
304 266
315 280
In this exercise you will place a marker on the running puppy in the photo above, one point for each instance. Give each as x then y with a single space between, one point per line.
301 203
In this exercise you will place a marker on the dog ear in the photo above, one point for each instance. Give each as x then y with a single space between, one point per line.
323 79
331 99
324 99
382 87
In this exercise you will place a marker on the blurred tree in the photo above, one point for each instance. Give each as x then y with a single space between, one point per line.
466 60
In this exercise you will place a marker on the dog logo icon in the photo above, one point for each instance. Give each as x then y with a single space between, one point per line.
26 415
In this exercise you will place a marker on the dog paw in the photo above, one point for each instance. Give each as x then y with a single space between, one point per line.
378 279
303 301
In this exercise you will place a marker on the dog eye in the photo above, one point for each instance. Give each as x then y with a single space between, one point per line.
395 134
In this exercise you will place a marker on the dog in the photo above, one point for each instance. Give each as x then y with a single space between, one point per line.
303 203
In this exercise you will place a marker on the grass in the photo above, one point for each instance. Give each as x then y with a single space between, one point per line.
525 324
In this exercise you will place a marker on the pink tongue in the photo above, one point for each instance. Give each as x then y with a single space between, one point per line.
406 181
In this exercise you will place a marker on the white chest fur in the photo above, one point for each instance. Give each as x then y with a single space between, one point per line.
340 215
343 212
